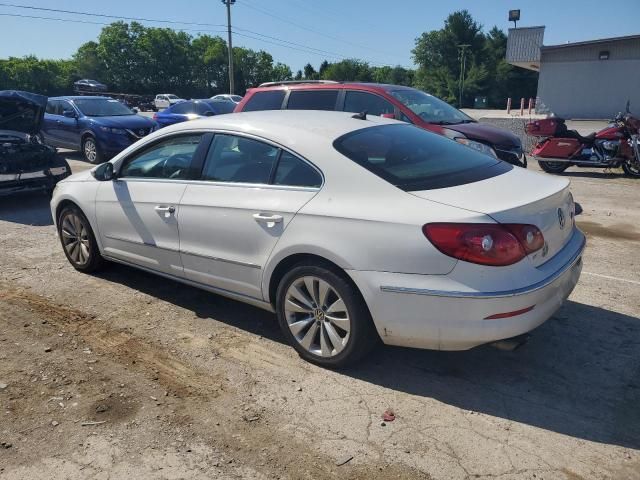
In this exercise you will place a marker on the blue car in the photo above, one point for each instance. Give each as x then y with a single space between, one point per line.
192 109
99 127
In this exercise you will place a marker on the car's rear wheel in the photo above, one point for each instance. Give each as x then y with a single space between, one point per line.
324 317
78 241
554 167
91 151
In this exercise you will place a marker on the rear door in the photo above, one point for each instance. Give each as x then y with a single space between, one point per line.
231 219
139 211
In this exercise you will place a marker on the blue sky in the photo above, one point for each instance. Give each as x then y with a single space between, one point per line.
381 32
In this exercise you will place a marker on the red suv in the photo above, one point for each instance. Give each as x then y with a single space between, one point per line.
391 101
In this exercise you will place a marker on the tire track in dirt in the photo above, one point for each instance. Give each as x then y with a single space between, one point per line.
203 396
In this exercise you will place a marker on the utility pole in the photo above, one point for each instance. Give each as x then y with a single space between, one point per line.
463 65
228 3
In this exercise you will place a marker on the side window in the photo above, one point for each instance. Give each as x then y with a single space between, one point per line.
267 100
202 108
360 101
51 107
312 100
183 108
293 171
63 106
169 158
239 160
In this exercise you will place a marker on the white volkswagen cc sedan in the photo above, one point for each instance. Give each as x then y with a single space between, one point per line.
351 228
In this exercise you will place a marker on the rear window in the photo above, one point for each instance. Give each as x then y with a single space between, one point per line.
413 159
268 100
312 100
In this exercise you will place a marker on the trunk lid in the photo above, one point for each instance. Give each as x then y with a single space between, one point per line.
518 196
21 111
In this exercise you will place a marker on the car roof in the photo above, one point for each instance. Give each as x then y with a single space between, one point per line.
299 129
302 85
81 97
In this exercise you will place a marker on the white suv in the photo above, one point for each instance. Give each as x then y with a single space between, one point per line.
165 100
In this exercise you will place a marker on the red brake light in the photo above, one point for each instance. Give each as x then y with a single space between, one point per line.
155 116
485 243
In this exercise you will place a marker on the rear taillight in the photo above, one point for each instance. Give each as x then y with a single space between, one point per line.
485 243
155 116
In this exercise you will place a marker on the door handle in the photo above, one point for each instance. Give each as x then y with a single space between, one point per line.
270 220
167 210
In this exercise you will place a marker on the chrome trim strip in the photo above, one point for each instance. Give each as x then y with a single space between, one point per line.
136 242
576 258
218 259
256 302
186 252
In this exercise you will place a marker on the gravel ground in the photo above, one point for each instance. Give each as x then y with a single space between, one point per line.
123 373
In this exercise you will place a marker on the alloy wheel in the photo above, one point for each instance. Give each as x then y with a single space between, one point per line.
317 316
75 239
90 150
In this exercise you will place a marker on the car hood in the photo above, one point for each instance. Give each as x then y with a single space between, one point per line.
124 121
21 111
488 133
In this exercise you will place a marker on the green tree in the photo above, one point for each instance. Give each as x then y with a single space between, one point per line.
348 70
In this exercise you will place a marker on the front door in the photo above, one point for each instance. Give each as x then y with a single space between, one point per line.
138 212
231 220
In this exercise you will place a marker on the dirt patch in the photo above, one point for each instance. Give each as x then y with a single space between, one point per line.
617 231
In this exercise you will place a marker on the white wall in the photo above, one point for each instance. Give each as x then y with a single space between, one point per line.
589 89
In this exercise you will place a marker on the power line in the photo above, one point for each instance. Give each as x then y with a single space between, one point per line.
94 23
281 42
74 12
317 32
184 30
281 45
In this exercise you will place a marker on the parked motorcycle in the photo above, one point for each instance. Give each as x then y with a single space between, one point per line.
617 145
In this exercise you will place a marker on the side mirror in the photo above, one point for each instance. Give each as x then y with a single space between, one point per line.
209 113
104 172
389 115
69 114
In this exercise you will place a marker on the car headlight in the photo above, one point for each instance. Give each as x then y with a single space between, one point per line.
480 147
117 131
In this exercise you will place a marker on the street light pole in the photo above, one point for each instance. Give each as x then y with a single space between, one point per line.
463 66
228 3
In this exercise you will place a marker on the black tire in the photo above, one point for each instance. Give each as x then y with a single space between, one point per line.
632 170
362 335
88 152
554 167
94 260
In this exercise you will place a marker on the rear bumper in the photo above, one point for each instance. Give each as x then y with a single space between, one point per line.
409 310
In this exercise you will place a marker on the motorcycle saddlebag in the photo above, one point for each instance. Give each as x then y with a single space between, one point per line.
556 148
548 127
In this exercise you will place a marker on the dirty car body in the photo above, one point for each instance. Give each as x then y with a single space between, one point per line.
337 222
26 164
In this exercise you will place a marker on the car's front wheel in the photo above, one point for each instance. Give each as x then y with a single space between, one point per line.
324 317
78 241
91 151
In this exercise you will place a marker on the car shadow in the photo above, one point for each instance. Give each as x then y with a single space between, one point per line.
26 208
579 374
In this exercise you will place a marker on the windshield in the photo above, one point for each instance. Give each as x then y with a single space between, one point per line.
172 97
429 108
102 107
413 159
